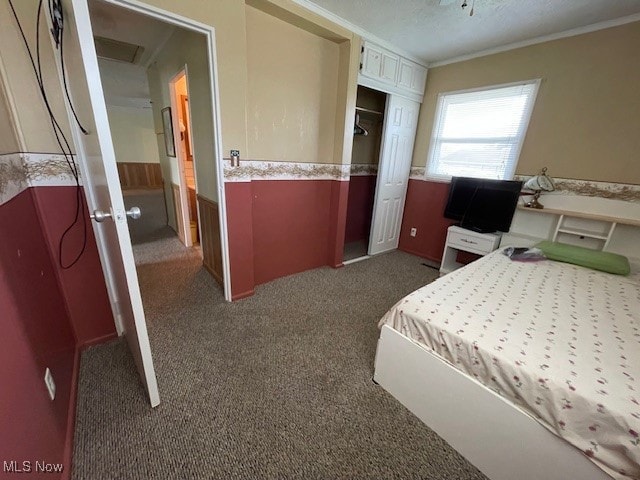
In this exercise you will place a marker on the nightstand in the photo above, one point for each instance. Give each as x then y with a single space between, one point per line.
461 239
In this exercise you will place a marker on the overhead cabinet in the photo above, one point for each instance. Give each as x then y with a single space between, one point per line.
380 64
412 76
380 67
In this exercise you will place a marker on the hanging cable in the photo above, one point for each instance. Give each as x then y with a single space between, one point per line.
58 32
59 135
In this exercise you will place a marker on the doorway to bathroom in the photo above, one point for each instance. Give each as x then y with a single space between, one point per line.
184 193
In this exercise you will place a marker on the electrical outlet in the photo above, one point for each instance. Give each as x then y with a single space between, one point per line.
51 385
414 231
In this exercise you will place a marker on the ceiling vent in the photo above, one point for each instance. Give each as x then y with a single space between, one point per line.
117 50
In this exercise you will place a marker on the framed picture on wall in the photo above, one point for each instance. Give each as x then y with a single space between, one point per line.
167 127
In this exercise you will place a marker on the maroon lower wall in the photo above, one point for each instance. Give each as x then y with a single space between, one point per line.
281 227
290 226
47 315
362 189
423 210
36 333
240 235
82 285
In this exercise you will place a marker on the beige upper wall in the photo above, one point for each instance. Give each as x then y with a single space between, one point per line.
190 49
8 141
586 120
333 58
133 134
226 16
292 91
228 19
21 85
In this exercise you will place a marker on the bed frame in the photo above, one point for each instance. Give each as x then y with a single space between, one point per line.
499 439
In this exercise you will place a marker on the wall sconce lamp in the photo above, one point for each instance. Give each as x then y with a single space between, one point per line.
538 184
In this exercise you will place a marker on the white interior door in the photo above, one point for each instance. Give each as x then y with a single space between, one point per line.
399 133
96 159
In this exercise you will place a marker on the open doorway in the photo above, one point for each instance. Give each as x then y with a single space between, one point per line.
384 134
186 205
144 66
367 139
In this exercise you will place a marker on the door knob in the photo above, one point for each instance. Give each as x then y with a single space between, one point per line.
100 216
134 213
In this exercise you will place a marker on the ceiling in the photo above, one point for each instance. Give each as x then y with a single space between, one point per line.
116 23
125 83
434 32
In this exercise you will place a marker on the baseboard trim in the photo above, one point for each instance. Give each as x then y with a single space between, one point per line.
213 273
67 456
421 255
356 260
240 296
98 340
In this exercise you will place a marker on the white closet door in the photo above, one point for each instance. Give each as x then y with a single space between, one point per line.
401 119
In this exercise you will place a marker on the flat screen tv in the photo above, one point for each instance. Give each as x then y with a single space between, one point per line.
483 205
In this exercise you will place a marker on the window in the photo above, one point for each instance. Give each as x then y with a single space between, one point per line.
479 133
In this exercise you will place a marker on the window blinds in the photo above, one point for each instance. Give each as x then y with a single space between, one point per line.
480 133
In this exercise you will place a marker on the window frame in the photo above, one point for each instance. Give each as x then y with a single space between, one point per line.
438 118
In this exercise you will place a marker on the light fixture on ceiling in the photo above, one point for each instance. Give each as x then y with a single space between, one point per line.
465 4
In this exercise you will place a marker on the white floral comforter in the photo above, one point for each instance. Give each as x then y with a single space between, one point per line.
561 342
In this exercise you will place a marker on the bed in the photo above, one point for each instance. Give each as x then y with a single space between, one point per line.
529 370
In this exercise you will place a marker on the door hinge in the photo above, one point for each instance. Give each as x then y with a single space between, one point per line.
360 65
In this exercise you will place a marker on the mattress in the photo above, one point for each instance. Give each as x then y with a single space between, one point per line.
559 341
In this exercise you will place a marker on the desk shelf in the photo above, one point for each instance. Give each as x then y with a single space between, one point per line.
595 229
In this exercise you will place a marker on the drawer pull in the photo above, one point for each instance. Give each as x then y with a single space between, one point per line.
468 241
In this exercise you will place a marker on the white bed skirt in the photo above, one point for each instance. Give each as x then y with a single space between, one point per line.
499 439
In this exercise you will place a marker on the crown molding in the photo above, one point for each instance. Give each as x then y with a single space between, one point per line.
358 30
594 27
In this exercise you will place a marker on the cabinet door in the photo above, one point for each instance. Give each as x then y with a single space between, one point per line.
371 61
419 79
379 64
406 74
412 76
389 70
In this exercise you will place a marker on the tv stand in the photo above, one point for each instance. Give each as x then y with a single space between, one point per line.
461 239
473 229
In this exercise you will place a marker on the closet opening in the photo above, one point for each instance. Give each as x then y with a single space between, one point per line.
367 139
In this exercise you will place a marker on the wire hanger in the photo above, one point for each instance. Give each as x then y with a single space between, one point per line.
359 129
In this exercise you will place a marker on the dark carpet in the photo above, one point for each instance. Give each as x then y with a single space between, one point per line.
355 250
274 386
152 225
